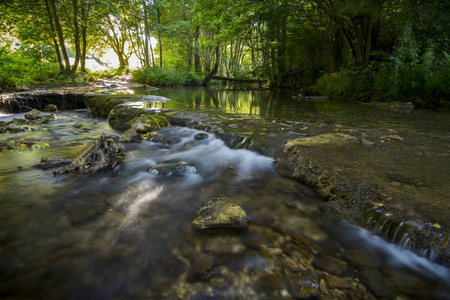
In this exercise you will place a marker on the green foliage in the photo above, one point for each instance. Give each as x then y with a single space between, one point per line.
15 69
166 77
109 73
409 83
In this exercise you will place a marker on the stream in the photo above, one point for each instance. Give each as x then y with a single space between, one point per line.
126 234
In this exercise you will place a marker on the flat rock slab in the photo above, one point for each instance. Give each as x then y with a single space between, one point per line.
220 213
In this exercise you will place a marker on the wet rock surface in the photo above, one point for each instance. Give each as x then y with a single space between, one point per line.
220 213
353 176
169 169
104 154
148 123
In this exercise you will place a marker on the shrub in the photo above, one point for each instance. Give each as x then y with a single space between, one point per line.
166 77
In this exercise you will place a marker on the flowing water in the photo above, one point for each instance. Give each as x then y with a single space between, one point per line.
126 234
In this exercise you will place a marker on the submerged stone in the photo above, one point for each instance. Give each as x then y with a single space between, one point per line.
220 213
201 136
168 169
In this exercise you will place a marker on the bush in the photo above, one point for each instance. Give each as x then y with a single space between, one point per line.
381 83
157 76
437 87
17 70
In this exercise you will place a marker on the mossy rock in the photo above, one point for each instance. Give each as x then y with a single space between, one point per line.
102 105
121 115
327 138
220 213
148 123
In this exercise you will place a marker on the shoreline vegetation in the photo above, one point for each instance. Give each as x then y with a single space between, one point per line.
367 51
411 86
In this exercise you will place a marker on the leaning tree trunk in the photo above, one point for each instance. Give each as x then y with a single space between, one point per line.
208 78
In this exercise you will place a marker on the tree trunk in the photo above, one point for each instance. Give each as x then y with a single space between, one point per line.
147 33
84 20
197 64
208 78
60 37
55 42
76 37
159 38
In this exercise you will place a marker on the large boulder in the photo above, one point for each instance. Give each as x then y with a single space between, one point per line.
220 213
121 115
102 105
148 123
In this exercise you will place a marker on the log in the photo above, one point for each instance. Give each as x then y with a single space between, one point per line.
244 80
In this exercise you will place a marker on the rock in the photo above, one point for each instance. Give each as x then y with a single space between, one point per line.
157 138
148 123
22 87
327 138
304 286
376 282
104 154
201 136
130 136
33 115
335 282
223 245
13 128
168 169
269 251
392 137
51 108
367 142
47 163
220 213
331 265
221 277
121 115
102 105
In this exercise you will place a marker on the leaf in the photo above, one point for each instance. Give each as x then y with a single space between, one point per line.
436 225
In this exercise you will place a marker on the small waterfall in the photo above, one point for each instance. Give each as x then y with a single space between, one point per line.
408 235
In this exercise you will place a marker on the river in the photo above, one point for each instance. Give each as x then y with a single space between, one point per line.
126 234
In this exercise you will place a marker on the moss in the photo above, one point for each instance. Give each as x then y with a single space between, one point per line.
327 138
147 123
121 115
102 105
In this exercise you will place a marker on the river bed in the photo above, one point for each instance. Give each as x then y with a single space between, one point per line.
127 234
